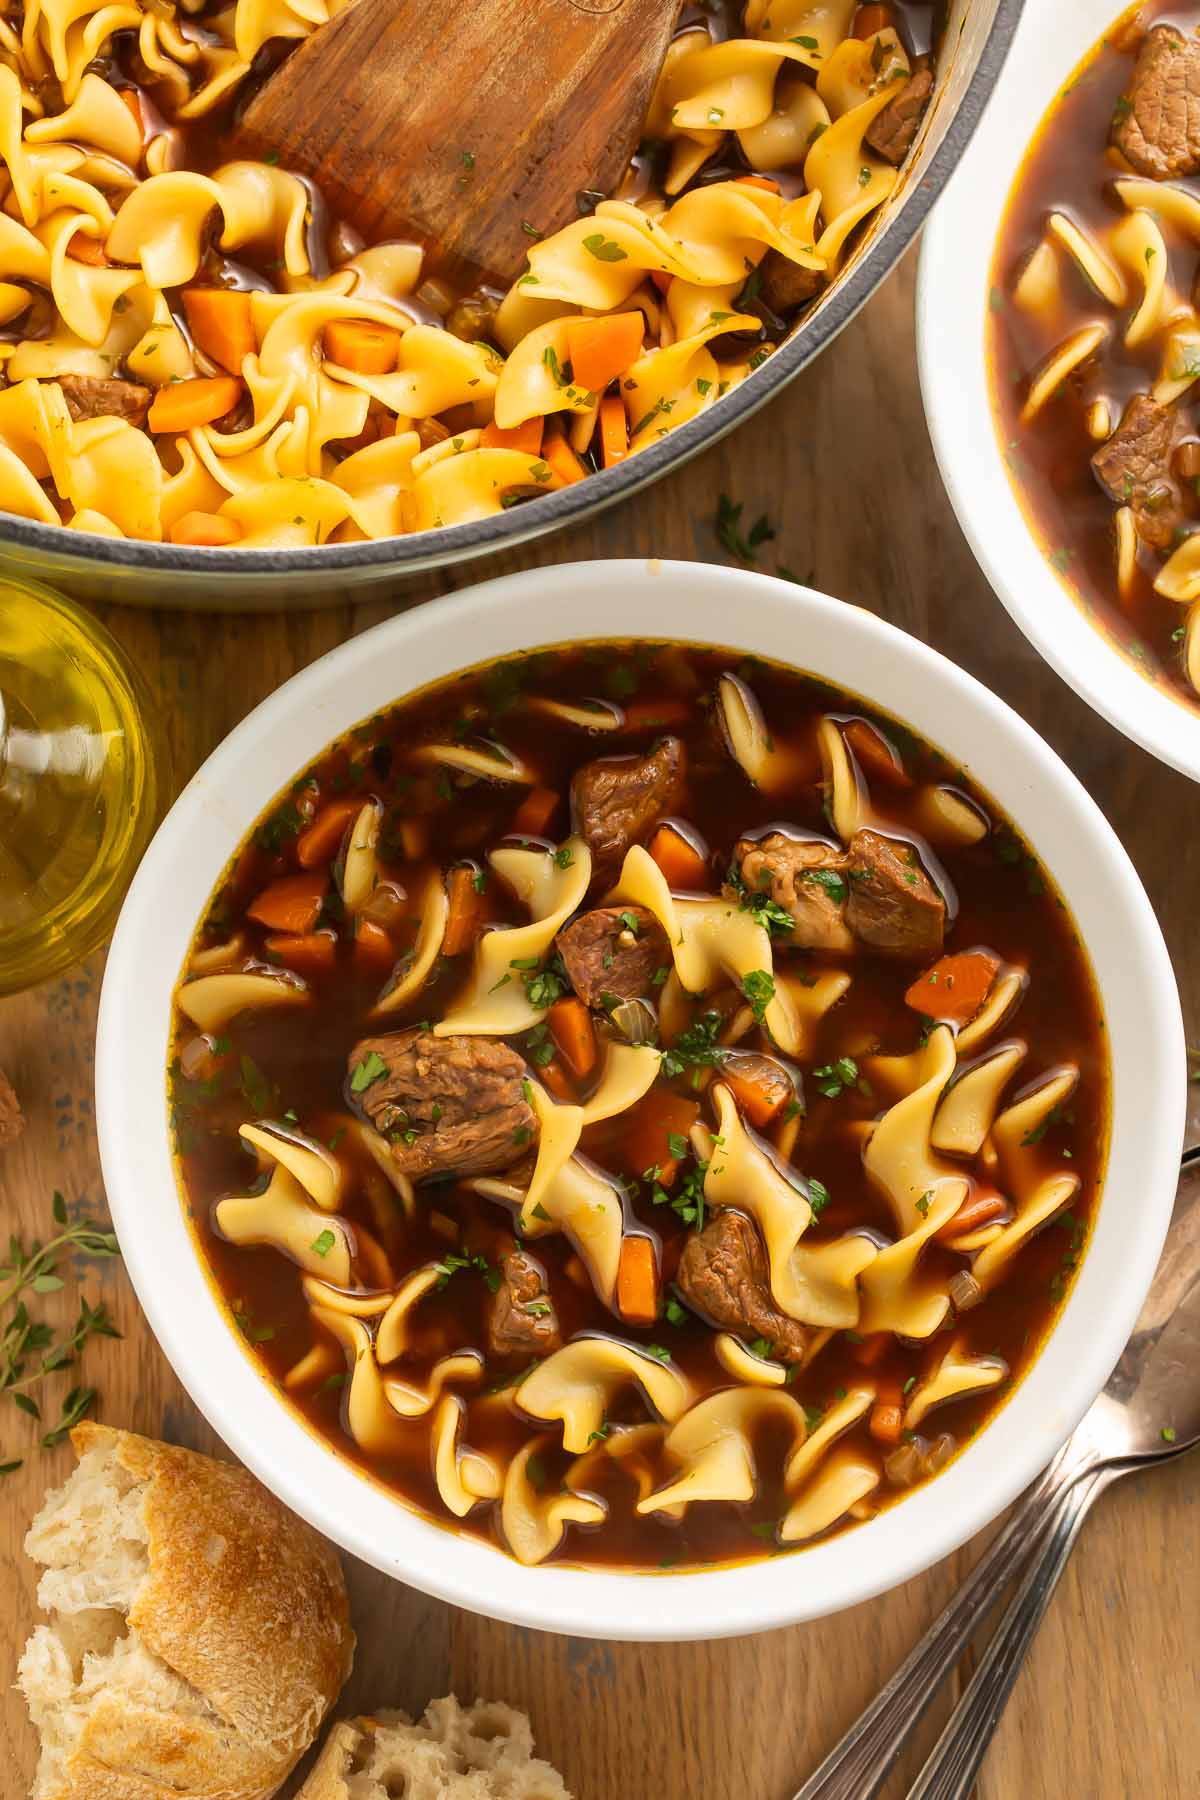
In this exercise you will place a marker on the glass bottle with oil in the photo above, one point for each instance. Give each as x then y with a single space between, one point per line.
83 774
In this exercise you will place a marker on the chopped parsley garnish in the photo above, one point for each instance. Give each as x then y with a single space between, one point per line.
923 1203
831 881
629 922
834 1078
368 1070
677 1145
775 919
673 1313
563 858
818 1196
657 1351
759 989
323 1242
696 1048
1168 1434
761 1347
603 249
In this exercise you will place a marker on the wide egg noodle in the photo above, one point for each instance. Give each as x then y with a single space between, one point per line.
534 1523
713 1445
284 1217
577 1385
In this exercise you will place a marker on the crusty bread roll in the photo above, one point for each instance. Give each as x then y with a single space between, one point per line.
200 1632
480 1752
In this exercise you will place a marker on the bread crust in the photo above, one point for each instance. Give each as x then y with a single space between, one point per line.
327 1779
245 1603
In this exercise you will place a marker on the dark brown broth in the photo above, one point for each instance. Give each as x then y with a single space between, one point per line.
268 1067
1067 170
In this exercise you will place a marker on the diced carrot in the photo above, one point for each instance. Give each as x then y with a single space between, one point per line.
887 1418
653 1123
955 987
870 19
647 715
468 906
558 453
219 320
84 249
973 1215
683 866
183 405
637 1281
204 530
614 430
310 953
571 1027
291 904
535 812
320 842
526 438
602 349
759 181
867 1353
555 1077
373 948
760 1087
131 99
362 345
874 756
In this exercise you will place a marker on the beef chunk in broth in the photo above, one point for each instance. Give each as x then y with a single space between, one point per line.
521 1319
613 952
618 800
787 285
96 397
806 877
462 1097
892 131
723 1274
1134 468
1156 126
893 905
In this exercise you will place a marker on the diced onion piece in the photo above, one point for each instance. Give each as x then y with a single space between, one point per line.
938 1454
964 1290
635 1020
903 1466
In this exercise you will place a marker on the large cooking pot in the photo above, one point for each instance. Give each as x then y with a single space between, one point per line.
975 43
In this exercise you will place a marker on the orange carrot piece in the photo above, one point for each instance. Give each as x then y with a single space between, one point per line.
204 530
870 19
526 438
84 249
291 904
555 1077
973 1215
867 1353
761 1092
373 948
362 345
637 1281
614 430
602 349
308 953
320 842
874 756
653 1123
574 1035
535 812
759 181
955 987
465 919
183 405
558 453
645 715
886 1421
219 320
682 865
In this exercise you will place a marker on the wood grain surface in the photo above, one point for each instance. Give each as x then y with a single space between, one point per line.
1107 1707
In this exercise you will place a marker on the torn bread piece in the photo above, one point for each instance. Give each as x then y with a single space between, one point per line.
480 1752
199 1633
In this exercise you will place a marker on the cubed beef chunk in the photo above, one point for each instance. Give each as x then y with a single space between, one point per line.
1134 468
1156 126
723 1275
891 132
893 905
618 800
521 1320
806 877
613 952
786 285
12 1119
96 397
449 1105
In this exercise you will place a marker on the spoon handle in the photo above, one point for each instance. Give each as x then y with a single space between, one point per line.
857 1767
954 1762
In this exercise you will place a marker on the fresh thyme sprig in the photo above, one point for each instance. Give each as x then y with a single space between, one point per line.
30 1349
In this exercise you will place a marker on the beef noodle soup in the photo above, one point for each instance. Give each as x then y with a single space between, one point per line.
639 1104
1094 338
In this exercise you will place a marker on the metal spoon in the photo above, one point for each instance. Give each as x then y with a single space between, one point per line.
1149 1412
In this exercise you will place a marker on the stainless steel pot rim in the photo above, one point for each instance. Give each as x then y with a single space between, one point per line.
435 549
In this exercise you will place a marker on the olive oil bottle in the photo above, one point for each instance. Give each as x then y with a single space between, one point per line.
82 777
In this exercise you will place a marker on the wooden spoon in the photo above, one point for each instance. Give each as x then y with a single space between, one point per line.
467 127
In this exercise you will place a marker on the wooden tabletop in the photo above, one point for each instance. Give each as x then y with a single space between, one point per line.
1106 1708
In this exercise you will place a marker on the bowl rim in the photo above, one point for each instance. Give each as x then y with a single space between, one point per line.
569 506
743 611
953 285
